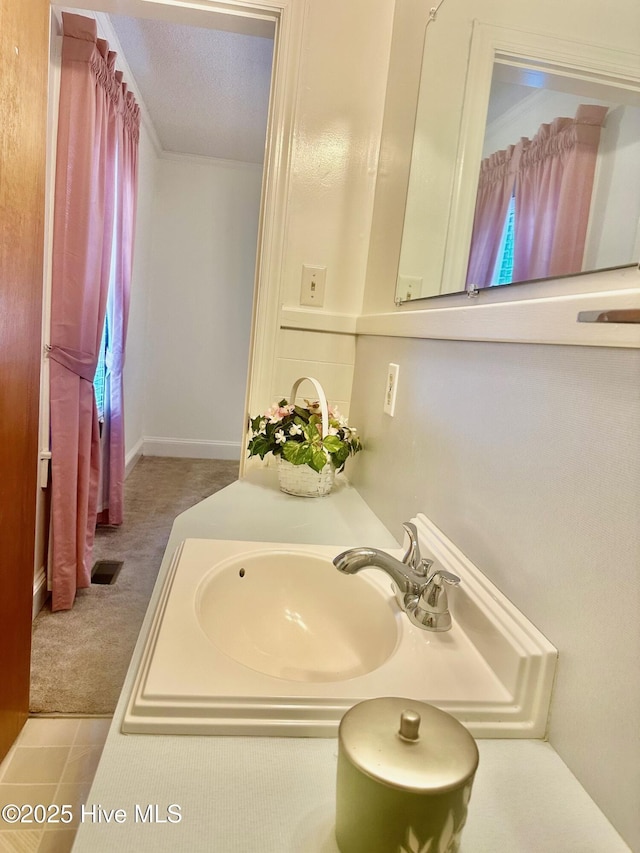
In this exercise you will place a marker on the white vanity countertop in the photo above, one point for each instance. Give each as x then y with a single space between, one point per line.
277 795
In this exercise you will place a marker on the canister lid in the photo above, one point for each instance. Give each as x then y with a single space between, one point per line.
408 744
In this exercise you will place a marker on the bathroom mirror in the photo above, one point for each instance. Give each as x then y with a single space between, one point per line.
515 82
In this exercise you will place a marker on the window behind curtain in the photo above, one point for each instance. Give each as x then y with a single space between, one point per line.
503 270
99 380
101 374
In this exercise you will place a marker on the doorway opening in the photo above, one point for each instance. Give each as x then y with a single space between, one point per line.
178 294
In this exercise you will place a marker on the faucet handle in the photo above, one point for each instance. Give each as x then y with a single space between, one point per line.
431 610
412 556
434 596
448 577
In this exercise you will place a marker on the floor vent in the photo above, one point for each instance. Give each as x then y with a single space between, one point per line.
106 571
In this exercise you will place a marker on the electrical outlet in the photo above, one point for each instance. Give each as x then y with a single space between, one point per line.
312 289
391 389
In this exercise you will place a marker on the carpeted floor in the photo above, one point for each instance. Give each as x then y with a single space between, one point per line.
80 656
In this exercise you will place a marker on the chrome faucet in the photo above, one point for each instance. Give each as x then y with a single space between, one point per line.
420 594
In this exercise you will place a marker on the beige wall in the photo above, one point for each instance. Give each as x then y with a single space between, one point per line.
528 458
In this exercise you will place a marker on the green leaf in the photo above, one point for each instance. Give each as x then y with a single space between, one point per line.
303 414
312 430
297 453
259 446
318 460
333 443
341 455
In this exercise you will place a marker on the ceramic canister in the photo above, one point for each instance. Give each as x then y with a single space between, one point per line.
405 771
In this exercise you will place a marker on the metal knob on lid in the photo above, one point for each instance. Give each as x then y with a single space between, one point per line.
409 725
405 771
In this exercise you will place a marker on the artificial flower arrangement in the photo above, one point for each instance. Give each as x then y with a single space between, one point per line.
295 433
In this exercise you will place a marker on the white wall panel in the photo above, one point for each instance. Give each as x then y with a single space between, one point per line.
317 346
202 270
336 380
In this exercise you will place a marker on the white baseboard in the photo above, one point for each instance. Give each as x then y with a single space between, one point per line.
187 448
40 592
132 458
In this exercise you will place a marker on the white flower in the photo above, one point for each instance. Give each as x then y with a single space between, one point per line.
295 430
280 437
336 415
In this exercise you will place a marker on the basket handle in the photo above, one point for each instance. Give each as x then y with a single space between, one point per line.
324 408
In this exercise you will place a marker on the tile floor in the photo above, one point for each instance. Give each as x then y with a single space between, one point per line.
53 762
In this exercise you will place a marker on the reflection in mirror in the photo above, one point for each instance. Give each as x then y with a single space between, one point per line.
546 158
557 149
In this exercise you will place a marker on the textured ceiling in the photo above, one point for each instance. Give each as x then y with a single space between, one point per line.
207 91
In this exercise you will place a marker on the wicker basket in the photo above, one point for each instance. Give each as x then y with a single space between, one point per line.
302 480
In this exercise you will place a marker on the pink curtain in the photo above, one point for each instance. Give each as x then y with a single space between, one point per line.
495 188
111 500
553 195
82 252
551 177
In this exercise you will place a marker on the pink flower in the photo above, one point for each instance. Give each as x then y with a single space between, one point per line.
277 413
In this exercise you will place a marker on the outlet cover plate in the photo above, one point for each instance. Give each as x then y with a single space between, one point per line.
391 389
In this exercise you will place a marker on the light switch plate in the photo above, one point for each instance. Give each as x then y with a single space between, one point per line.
312 288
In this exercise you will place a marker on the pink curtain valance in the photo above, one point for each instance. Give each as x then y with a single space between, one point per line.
500 166
563 135
81 44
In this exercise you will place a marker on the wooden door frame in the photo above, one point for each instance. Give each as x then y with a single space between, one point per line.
24 53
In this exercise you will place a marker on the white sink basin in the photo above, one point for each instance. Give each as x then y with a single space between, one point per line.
292 615
254 638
